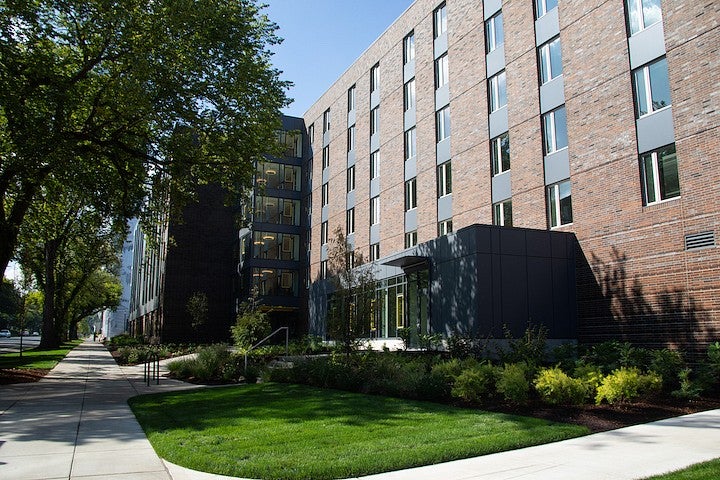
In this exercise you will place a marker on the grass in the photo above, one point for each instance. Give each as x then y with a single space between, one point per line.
276 431
37 359
701 471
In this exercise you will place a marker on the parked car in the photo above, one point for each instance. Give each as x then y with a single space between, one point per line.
25 333
5 333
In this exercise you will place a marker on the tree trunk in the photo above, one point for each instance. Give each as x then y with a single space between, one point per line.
8 240
50 334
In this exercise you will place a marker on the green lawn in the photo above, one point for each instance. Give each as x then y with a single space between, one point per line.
37 359
701 471
279 431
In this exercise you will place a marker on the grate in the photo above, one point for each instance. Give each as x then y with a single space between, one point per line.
699 240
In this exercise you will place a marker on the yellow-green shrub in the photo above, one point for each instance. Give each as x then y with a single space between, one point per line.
557 388
626 384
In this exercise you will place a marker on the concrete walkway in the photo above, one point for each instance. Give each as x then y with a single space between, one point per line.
76 424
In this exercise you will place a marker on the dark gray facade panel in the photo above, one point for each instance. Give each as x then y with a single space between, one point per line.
325 175
647 45
498 122
351 158
375 233
375 98
513 242
557 166
501 187
442 151
324 252
547 27
350 199
442 96
411 220
491 7
495 60
655 130
444 206
324 214
409 119
351 117
514 284
326 138
374 142
440 45
409 70
539 243
552 94
540 292
375 187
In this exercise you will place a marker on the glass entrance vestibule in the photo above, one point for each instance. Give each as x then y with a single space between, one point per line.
402 302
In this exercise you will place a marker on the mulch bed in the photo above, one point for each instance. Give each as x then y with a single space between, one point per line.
21 375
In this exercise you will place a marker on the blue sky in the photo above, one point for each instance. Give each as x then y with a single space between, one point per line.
323 38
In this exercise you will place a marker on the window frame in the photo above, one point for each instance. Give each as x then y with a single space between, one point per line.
325 195
442 124
541 7
647 86
374 164
445 227
374 78
350 179
411 194
410 143
326 157
439 20
491 32
351 98
375 210
350 221
634 28
554 207
374 121
442 71
324 233
545 60
326 121
658 178
351 138
501 213
374 251
550 131
409 95
497 91
497 156
409 48
444 179
411 239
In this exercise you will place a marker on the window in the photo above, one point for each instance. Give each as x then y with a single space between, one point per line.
494 36
326 157
497 91
409 48
559 204
351 138
445 227
500 153
502 213
642 14
324 233
441 72
544 6
374 120
444 179
374 251
651 87
326 120
555 130
350 221
311 132
411 239
351 98
442 124
351 178
410 144
323 269
375 164
409 98
279 211
411 194
660 179
374 210
375 78
325 194
440 23
292 141
550 58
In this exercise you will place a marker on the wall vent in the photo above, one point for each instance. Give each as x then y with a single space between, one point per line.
699 240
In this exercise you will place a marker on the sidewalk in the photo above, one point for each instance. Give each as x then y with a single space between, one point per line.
75 423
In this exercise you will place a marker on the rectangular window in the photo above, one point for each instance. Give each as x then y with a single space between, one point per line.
500 153
410 144
351 98
279 211
444 179
442 124
409 48
411 194
311 133
374 210
351 178
651 87
326 120
660 178
374 251
445 227
292 141
323 269
544 6
326 157
442 75
494 35
374 120
411 239
559 204
350 221
409 97
374 77
555 130
642 13
440 23
325 194
502 213
351 138
375 164
497 91
324 233
550 58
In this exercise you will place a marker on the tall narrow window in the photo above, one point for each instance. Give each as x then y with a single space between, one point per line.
374 210
326 156
411 194
323 269
444 179
326 120
497 91
351 98
544 6
374 120
324 233
651 87
502 213
555 130
351 178
374 78
550 58
410 144
560 204
659 170
351 138
409 48
494 35
440 23
500 153
409 97
411 239
374 164
325 194
642 14
350 221
445 227
441 71
442 124
374 251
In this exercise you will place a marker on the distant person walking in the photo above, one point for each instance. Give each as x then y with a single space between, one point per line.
94 334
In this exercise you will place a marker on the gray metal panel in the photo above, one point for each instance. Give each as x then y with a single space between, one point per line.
411 220
325 175
442 151
411 168
351 117
350 199
442 96
323 252
326 138
547 27
444 205
374 142
324 213
350 239
490 7
495 60
647 45
552 94
409 70
375 187
498 122
375 98
655 130
557 166
440 45
375 233
351 158
501 187
409 119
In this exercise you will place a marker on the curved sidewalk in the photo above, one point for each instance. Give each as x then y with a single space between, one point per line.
76 424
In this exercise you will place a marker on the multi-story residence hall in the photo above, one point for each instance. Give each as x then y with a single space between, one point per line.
597 119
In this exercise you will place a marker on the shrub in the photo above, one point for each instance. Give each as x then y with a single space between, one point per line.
513 383
557 388
210 364
606 355
626 384
125 340
565 356
528 349
250 327
591 376
476 383
430 341
405 333
460 345
688 388
668 364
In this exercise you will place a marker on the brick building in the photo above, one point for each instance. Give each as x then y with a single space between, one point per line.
596 118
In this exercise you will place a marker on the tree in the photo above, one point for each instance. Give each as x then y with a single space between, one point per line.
252 324
118 98
351 302
101 290
10 301
197 307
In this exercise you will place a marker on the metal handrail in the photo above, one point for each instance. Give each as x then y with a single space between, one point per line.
287 344
152 369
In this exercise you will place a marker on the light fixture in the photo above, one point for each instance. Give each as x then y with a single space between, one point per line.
268 236
271 172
